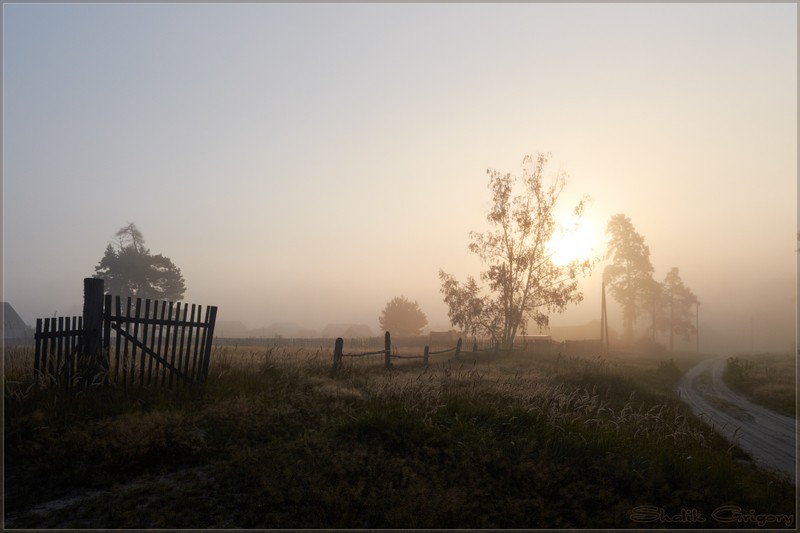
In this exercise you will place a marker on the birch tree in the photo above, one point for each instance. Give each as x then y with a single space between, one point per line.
523 283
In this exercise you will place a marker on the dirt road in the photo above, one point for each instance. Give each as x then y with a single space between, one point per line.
770 438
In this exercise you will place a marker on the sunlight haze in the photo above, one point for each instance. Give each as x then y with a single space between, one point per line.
306 163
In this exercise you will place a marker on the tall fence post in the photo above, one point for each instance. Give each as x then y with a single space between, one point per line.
92 328
458 347
337 353
387 344
425 354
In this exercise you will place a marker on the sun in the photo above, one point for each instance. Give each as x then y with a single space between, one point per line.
572 243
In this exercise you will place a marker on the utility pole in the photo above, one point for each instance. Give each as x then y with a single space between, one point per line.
604 323
697 327
671 320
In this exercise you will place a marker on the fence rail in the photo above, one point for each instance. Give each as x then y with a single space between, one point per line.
338 352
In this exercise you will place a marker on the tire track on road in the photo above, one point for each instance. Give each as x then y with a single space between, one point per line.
769 437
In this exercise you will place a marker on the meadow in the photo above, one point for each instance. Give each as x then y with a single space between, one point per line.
275 439
767 379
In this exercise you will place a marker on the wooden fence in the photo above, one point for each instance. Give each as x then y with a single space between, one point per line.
338 354
125 342
58 346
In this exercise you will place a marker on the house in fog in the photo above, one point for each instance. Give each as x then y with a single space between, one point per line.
14 329
443 336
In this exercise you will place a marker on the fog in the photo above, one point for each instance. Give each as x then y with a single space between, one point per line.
304 164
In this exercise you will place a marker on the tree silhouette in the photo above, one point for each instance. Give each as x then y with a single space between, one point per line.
680 302
630 275
402 317
523 281
129 269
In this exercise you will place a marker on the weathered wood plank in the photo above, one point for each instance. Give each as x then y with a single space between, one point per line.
119 340
152 343
147 350
107 336
159 369
89 362
188 349
210 322
37 357
145 331
126 350
46 344
196 345
137 314
60 351
175 334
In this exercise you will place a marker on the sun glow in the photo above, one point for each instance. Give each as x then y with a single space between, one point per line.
572 243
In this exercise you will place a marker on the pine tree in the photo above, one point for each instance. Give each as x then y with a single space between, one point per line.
630 275
129 269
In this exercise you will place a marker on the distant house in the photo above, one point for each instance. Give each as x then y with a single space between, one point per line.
590 330
443 336
14 329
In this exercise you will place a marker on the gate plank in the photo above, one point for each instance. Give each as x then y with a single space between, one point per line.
137 313
37 357
147 350
210 321
196 346
126 351
119 339
152 338
108 311
174 342
59 349
187 362
61 355
159 369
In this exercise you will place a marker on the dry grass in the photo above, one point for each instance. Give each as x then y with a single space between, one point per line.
277 440
767 379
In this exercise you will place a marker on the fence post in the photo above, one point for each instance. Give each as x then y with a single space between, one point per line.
458 347
92 328
387 344
425 355
337 353
474 345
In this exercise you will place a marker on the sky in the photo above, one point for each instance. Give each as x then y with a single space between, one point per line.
309 162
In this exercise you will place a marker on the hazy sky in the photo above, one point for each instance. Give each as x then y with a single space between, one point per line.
306 163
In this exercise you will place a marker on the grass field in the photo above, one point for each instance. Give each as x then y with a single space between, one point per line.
767 379
276 440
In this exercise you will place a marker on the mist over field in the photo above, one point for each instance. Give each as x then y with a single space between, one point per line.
305 164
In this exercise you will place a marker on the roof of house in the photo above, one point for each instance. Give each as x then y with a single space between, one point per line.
13 325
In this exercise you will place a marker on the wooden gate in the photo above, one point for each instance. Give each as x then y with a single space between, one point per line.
126 341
